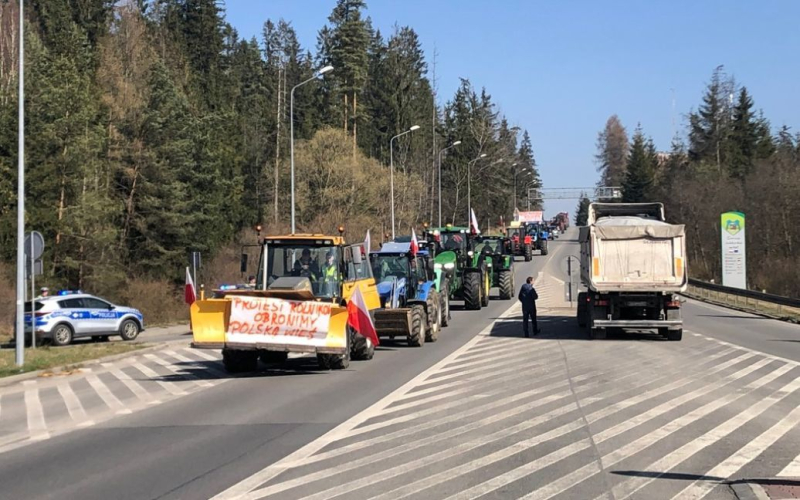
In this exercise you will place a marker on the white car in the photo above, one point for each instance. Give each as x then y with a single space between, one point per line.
70 315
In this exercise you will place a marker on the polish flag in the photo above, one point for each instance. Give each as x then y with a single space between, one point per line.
414 242
367 242
359 319
190 294
474 222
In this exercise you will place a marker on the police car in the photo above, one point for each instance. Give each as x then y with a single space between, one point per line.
73 314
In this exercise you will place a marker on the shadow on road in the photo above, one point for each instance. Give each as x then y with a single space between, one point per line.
566 328
727 316
681 476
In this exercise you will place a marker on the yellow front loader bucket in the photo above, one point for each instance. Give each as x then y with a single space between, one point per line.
210 322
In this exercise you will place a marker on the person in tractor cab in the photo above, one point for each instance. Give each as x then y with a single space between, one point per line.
306 267
330 274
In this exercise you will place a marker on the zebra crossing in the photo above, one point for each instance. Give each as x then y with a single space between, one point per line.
42 408
559 417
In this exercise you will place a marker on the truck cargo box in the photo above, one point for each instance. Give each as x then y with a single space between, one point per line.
632 253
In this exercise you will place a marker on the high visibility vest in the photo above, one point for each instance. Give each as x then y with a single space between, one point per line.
329 274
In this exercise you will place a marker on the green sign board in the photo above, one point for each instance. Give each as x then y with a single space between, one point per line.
734 261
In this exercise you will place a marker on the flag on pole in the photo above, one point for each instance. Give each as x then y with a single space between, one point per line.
474 222
414 242
359 319
367 242
190 294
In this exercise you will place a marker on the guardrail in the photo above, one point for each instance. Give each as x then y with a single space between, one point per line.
746 300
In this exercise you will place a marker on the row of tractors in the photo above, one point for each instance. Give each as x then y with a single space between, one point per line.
304 282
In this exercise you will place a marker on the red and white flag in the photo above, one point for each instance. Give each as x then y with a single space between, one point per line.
359 319
190 294
367 242
414 242
474 222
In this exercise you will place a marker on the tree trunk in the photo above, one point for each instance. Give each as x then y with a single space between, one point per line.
346 106
355 124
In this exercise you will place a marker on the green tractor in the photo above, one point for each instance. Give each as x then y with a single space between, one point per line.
495 250
469 275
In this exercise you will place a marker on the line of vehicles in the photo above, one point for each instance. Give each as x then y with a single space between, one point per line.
407 286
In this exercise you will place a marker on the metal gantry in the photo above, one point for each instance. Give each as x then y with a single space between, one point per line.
593 193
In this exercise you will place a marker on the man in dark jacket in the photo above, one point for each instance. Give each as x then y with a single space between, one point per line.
528 297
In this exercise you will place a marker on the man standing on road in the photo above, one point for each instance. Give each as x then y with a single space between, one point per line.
528 297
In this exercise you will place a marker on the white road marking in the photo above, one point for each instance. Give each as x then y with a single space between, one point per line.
170 387
243 487
73 404
106 395
743 456
180 372
36 423
677 456
462 448
131 384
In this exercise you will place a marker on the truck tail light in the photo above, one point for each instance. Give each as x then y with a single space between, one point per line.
601 303
673 304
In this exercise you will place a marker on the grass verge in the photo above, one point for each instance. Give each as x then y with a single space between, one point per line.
43 358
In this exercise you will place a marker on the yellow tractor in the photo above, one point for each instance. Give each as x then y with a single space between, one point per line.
299 304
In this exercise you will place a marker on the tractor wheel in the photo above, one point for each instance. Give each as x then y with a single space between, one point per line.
444 296
528 253
416 337
472 291
544 247
237 361
506 284
434 317
362 348
487 286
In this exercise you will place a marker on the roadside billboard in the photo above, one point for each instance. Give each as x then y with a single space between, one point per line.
734 260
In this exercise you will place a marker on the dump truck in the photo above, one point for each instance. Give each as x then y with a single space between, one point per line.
410 305
298 305
633 264
493 249
469 277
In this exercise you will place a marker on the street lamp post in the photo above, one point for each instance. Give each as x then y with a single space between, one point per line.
20 321
391 169
469 187
440 178
516 172
318 74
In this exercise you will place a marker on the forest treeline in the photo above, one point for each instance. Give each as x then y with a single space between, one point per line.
729 158
154 129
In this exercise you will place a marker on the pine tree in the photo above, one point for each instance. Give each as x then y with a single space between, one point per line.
582 212
529 178
710 127
640 171
612 152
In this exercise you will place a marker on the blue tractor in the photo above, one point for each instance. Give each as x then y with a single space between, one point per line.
410 304
540 234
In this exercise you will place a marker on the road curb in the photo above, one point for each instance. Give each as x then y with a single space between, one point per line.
14 379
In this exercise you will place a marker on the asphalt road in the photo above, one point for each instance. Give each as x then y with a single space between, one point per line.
481 413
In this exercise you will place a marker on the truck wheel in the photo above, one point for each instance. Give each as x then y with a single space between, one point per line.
445 307
416 337
273 357
472 291
237 361
506 285
674 335
582 309
598 333
528 253
363 349
434 317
